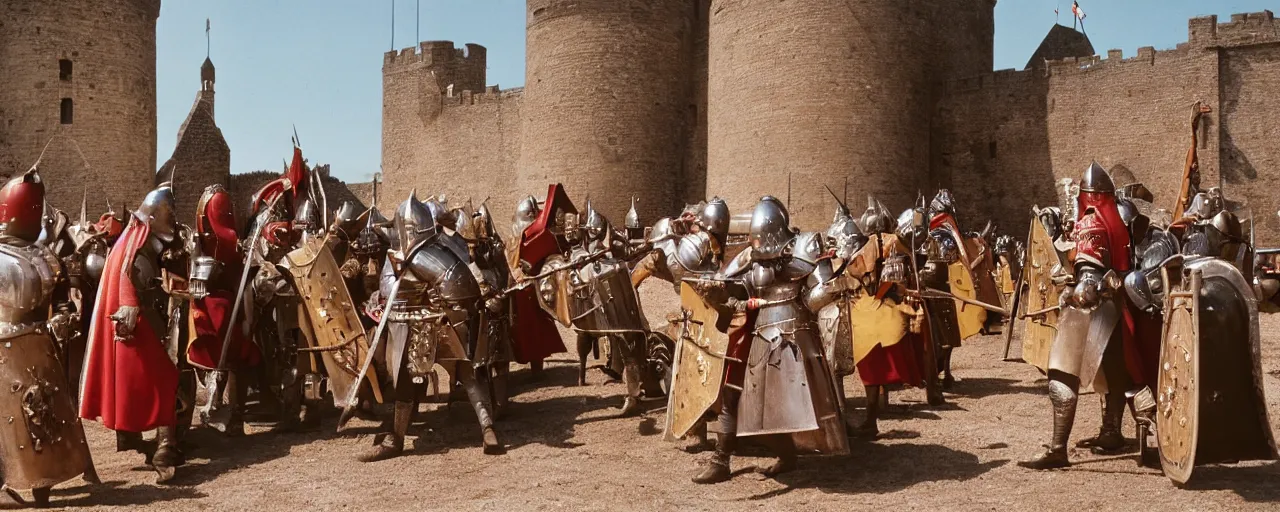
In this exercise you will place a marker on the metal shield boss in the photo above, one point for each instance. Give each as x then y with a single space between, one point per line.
699 363
1040 298
333 318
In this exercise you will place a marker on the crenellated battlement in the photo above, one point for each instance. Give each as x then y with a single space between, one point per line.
491 94
1243 29
1147 56
435 53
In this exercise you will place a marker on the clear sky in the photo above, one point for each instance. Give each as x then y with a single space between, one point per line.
317 63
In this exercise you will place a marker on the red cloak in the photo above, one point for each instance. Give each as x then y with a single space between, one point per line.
129 385
895 364
211 315
535 336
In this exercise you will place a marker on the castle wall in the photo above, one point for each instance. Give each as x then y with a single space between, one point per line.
694 179
1250 146
991 148
827 90
606 101
1133 117
112 90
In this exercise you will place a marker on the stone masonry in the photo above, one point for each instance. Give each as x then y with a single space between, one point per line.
894 97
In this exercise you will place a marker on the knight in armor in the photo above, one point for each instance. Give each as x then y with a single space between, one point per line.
283 215
685 248
488 264
1096 343
45 443
783 392
875 325
217 263
131 377
616 314
433 308
534 336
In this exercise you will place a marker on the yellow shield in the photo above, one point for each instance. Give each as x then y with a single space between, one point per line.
698 368
970 317
335 326
555 292
1039 298
1178 393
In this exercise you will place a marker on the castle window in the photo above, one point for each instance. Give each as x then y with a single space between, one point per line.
991 149
64 70
67 113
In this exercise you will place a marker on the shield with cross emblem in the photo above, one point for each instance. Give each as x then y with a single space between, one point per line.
699 363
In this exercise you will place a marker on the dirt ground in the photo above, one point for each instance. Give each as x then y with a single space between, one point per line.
566 451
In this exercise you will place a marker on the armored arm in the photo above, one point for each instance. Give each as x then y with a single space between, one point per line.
1093 280
823 287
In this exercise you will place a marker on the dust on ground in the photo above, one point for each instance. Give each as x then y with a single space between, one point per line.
567 451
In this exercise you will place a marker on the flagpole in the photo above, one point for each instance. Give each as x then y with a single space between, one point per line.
393 25
417 23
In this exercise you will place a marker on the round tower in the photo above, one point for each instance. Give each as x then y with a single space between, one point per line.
79 76
606 101
826 91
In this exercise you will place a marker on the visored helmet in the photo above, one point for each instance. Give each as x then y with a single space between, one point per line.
877 218
770 229
414 223
714 219
157 210
597 226
943 202
845 235
526 213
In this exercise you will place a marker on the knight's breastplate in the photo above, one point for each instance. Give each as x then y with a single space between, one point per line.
147 276
781 296
27 275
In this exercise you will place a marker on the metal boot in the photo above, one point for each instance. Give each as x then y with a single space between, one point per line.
391 445
480 401
1064 399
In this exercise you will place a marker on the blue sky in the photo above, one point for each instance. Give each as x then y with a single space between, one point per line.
317 63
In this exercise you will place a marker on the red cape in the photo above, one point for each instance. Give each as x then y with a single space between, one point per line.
130 386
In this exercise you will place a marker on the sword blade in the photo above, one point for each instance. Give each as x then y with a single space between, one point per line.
350 409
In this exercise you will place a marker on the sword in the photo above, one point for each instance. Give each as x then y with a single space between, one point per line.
217 378
350 409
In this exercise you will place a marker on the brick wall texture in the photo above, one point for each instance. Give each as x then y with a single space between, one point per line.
111 45
200 158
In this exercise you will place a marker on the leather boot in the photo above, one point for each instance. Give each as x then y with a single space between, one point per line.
698 441
784 448
870 429
1063 397
1109 439
391 445
719 469
631 375
585 343
168 455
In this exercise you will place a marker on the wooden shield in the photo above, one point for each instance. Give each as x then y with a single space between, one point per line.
970 318
335 325
557 302
698 366
1039 299
1178 394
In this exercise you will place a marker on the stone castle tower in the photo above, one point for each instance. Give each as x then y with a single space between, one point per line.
829 90
201 156
79 77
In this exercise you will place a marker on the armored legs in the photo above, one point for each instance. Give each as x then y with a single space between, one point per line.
726 441
630 347
1063 395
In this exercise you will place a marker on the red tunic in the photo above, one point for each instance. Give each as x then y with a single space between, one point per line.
129 385
1102 239
896 364
211 315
